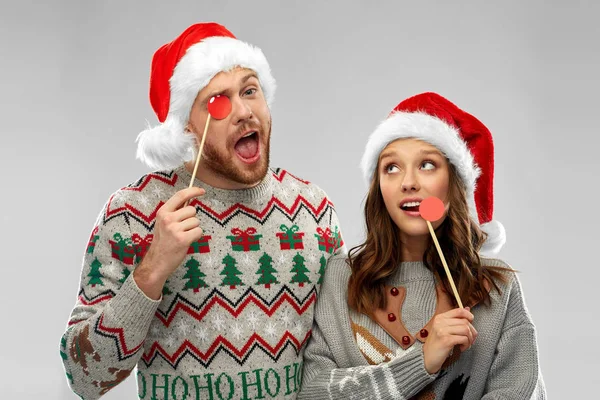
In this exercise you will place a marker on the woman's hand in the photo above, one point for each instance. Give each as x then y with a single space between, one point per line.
448 330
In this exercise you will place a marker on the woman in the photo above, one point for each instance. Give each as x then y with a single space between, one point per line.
387 324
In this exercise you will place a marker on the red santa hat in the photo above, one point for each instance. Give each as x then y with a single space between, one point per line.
180 69
461 137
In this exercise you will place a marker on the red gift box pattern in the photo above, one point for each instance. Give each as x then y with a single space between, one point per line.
328 242
141 245
244 240
200 246
290 238
122 249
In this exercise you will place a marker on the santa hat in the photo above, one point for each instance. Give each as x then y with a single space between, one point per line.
463 139
180 69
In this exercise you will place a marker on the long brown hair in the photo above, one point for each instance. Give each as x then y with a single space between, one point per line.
375 260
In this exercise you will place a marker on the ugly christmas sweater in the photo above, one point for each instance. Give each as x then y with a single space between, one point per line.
353 356
233 319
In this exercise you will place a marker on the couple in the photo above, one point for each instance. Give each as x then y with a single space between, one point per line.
241 287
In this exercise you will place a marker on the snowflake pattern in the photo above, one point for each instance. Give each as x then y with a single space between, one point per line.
183 328
201 334
246 260
286 318
216 204
299 328
118 199
218 322
112 271
271 329
144 201
155 330
236 331
209 261
170 341
158 192
253 319
282 260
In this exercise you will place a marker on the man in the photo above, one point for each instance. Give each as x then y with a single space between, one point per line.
213 300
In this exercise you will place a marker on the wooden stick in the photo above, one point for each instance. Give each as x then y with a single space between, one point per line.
437 245
199 155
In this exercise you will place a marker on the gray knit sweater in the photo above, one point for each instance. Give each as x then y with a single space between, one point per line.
350 356
233 319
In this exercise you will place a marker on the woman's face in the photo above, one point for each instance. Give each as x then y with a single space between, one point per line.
409 171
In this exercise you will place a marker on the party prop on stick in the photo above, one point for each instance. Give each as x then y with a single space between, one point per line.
219 107
432 209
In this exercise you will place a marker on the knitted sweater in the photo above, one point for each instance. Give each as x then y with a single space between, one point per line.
233 319
350 356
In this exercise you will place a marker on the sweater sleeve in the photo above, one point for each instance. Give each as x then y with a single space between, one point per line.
332 222
340 246
329 369
109 323
515 372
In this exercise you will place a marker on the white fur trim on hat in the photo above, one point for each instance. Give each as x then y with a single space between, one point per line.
167 145
425 127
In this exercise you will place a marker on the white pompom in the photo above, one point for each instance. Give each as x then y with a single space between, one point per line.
166 146
496 238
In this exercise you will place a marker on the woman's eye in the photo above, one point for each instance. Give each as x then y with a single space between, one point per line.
391 168
428 165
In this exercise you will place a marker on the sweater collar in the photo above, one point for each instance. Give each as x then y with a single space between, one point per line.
260 191
410 271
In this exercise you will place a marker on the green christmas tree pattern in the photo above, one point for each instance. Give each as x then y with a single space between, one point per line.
230 271
266 271
300 271
95 275
166 290
63 344
126 273
194 276
63 354
322 269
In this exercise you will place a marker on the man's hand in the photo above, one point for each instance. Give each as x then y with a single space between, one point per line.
174 230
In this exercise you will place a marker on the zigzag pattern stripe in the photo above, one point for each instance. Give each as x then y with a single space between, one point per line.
223 345
147 220
133 212
182 304
118 335
170 179
273 202
262 216
99 298
279 174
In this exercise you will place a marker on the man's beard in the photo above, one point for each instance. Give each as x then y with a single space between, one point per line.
221 163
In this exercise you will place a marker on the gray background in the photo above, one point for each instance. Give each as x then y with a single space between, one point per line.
75 94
